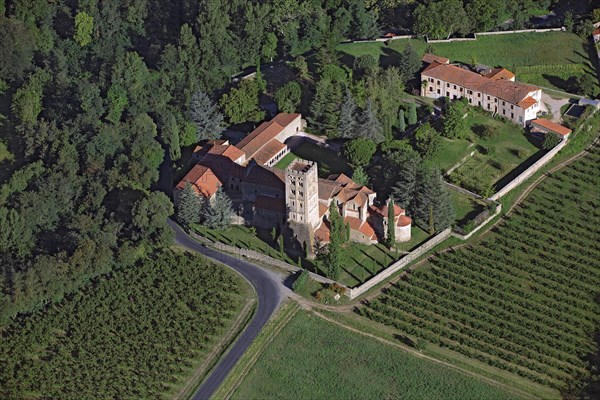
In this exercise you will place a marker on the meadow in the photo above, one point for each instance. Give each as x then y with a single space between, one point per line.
524 298
550 59
311 358
137 333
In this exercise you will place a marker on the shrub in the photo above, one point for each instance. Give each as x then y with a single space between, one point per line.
359 151
550 141
300 280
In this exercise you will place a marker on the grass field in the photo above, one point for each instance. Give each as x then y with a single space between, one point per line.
328 161
312 358
366 261
550 59
138 333
524 299
495 157
465 207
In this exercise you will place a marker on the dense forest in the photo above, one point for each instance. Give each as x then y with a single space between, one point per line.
95 96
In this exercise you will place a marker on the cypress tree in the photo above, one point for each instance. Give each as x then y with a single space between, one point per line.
189 207
412 114
391 228
401 121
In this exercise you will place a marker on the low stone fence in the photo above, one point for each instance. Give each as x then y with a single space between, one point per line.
398 265
467 39
461 162
523 176
480 224
463 190
260 257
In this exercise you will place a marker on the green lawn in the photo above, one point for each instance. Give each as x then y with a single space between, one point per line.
366 261
314 359
550 59
465 206
328 161
495 157
452 151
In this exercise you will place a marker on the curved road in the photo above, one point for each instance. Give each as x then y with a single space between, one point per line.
267 286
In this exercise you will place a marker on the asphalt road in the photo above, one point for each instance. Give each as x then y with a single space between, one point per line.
268 289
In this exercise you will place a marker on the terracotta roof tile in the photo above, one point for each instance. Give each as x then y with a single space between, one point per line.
266 176
264 133
268 151
323 232
322 209
527 102
552 126
513 92
229 151
431 58
403 220
500 73
202 179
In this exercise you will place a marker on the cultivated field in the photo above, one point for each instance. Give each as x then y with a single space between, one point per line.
136 334
524 299
314 359
551 59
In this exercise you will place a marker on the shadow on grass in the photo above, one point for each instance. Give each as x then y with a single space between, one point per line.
518 170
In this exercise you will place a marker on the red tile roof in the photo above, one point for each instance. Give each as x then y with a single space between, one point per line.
202 179
265 132
552 126
271 204
268 151
527 102
322 209
323 232
403 220
500 73
431 58
383 210
229 151
513 92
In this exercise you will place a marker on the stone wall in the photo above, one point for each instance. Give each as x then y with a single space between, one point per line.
481 225
529 171
260 257
400 264
495 33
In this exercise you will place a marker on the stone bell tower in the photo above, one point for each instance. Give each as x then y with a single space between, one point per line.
302 193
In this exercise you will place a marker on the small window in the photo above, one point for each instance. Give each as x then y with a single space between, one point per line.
521 119
488 98
489 108
512 115
503 103
512 107
503 112
447 85
430 89
438 82
478 94
438 91
431 80
479 103
454 86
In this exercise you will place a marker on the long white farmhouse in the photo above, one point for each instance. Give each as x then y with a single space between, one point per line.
496 90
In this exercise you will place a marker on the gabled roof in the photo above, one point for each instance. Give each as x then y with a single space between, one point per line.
264 133
527 102
268 151
229 151
430 58
202 179
500 73
383 210
323 232
552 126
513 92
